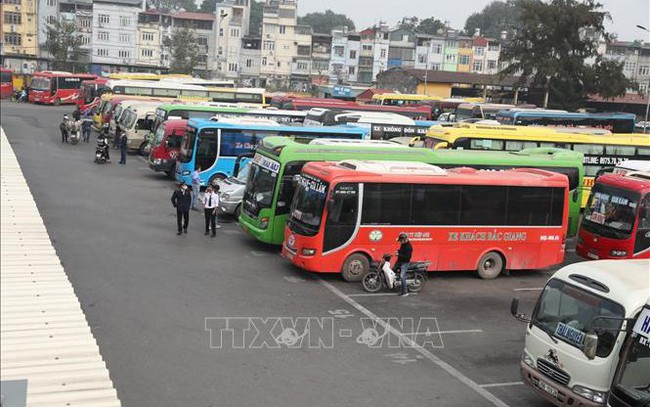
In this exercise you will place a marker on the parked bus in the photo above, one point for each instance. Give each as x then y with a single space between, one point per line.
401 99
110 102
577 329
136 120
90 93
631 383
278 160
166 145
417 112
614 122
55 87
346 214
616 221
6 84
466 111
252 97
599 151
214 145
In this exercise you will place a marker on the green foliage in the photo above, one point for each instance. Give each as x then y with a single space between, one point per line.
184 51
325 22
64 44
496 17
257 11
430 25
556 41
168 5
209 6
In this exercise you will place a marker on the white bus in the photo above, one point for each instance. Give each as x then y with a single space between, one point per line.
136 121
578 326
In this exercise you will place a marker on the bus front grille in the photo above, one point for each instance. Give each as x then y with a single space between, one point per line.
552 372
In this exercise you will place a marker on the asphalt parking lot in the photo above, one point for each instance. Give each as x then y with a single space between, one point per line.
159 304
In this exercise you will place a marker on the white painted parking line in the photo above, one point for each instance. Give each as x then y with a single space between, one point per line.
529 289
500 384
413 345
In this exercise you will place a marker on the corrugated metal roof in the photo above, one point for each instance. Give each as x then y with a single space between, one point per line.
44 337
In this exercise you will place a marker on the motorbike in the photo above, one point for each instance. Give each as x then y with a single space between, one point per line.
75 132
375 279
101 150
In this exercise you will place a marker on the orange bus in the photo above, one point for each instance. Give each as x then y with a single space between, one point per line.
56 87
6 84
345 215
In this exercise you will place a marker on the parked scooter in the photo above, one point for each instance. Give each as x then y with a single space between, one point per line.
101 152
376 278
74 129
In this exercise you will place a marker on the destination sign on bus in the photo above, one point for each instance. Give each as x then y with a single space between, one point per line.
312 184
570 334
387 131
267 163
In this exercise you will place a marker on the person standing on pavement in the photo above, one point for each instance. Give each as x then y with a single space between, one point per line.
123 143
76 115
182 199
210 205
403 258
196 187
64 128
86 124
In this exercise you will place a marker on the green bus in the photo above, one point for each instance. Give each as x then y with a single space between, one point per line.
278 160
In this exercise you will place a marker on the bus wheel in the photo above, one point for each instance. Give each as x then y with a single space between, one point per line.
355 267
237 211
490 266
215 178
141 149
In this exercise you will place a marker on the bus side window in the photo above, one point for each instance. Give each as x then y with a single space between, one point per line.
288 186
644 214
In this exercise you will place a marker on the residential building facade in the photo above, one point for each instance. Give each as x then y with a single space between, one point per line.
231 25
279 43
114 32
201 25
149 50
635 57
321 54
250 61
19 46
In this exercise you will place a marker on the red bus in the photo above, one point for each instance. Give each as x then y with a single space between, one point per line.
415 112
6 84
55 88
344 215
616 221
89 93
167 145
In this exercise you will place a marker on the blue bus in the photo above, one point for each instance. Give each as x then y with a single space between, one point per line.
614 122
215 146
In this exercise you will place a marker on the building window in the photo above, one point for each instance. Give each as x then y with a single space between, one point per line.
463 60
493 47
451 58
382 53
279 64
232 67
643 88
85 40
450 44
102 52
630 66
51 3
202 41
436 48
13 39
234 32
477 66
50 19
435 67
249 63
12 18
405 38
644 70
147 53
268 45
480 51
220 32
125 21
351 70
203 59
366 47
263 61
11 2
85 22
123 53
491 64
353 54
103 35
422 58
104 19
302 66
283 29
339 51
147 36
125 38
269 28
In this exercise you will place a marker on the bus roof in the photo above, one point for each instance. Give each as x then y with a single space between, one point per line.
169 107
56 74
395 172
404 96
627 282
153 84
537 133
634 165
565 114
203 123
638 181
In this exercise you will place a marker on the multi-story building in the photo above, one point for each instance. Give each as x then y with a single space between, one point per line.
80 12
232 24
279 42
344 61
380 50
114 33
19 44
250 58
202 26
401 51
149 50
366 56
450 53
321 50
48 13
635 56
301 64
464 54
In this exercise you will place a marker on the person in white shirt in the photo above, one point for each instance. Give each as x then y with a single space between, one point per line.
210 204
388 272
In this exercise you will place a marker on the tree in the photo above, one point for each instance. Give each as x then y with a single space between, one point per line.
496 17
168 5
326 22
64 44
209 6
257 12
184 51
551 50
431 26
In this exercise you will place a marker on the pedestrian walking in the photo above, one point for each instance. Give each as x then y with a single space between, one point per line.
86 125
64 128
182 199
123 143
196 187
210 207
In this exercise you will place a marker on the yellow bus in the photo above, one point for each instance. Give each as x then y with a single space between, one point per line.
401 99
600 150
134 76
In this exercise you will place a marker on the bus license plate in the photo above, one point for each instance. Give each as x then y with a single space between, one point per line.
593 256
549 389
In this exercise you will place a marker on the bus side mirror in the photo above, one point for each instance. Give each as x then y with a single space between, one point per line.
575 195
591 344
514 311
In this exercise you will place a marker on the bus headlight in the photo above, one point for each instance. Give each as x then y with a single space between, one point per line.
264 222
157 161
618 253
528 360
225 197
593 395
308 252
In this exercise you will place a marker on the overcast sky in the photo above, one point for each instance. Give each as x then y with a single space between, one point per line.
626 14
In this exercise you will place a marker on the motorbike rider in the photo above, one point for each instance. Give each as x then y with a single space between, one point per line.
102 144
404 254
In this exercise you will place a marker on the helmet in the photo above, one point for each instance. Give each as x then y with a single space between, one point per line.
402 236
65 116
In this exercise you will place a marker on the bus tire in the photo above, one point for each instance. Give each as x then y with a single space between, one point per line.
490 266
237 211
355 267
216 177
142 147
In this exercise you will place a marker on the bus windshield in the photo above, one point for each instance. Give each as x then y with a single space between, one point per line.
40 83
187 148
567 313
262 177
610 211
634 375
308 204
158 136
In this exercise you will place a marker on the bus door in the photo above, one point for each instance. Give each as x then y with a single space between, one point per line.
54 87
642 238
342 217
207 149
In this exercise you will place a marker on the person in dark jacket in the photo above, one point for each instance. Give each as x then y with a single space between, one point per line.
86 125
123 145
63 126
76 115
182 200
403 259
